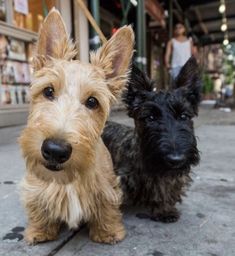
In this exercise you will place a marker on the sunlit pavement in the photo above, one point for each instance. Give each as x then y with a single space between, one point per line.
207 224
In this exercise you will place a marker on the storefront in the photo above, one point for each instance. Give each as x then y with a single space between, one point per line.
20 21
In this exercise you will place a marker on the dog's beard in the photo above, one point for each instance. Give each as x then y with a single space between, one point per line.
158 167
155 164
53 166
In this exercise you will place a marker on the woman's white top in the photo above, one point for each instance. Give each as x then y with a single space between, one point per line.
181 52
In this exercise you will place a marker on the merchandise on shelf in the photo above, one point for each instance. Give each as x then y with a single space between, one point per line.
3 46
15 56
3 10
16 49
14 72
13 95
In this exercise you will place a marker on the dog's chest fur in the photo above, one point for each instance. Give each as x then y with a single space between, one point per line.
141 189
74 207
60 202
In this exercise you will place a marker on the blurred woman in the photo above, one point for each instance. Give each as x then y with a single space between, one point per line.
179 50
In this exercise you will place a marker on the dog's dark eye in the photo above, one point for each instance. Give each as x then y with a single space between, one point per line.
92 103
150 118
184 117
48 93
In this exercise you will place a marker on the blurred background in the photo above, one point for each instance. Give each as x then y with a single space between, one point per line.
210 25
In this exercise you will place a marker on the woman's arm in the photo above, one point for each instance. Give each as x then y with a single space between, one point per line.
168 54
193 48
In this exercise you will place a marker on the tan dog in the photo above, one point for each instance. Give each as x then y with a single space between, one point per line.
70 175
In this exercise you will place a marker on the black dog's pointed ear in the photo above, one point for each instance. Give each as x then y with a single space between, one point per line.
137 88
190 82
140 80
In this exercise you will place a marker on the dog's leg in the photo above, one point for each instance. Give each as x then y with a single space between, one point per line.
107 226
164 209
37 231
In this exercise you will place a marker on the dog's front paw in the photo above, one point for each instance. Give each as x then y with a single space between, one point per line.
108 237
167 217
33 236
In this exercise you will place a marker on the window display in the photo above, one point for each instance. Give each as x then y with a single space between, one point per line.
3 46
14 71
3 10
13 95
29 14
16 49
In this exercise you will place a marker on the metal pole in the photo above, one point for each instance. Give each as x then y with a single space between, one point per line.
144 56
170 18
141 36
95 11
125 10
170 34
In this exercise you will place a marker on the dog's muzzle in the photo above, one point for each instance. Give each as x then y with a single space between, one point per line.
55 152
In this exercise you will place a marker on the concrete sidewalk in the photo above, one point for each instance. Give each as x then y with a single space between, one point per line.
206 227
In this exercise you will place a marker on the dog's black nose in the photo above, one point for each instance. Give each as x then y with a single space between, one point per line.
175 158
56 151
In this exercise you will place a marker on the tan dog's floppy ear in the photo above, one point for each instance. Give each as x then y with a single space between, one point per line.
114 58
53 40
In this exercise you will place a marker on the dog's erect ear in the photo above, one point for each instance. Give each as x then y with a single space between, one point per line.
140 80
114 58
53 40
137 89
190 83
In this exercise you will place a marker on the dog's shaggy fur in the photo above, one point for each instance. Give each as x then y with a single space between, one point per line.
154 159
70 176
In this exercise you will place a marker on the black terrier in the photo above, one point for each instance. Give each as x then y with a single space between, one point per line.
154 159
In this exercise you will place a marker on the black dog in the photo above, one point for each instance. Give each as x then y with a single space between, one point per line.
154 159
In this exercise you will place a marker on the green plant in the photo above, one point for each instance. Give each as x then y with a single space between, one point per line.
208 85
229 72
